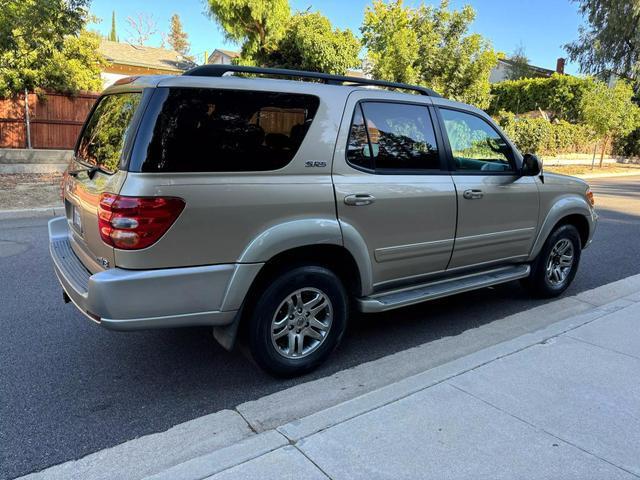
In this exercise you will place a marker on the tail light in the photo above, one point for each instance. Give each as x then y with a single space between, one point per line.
132 223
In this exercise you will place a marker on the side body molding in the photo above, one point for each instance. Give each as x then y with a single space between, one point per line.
565 205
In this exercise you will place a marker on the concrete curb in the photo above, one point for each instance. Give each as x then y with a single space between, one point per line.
40 212
297 430
157 452
606 175
239 443
225 458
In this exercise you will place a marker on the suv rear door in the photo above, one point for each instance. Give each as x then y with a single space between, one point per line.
497 207
103 143
392 186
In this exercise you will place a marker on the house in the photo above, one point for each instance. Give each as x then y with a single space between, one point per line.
226 57
222 57
502 71
126 60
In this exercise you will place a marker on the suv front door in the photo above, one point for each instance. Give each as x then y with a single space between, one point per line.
497 207
392 187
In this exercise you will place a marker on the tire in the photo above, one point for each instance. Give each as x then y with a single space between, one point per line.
297 321
551 273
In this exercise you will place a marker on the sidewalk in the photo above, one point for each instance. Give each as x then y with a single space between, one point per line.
562 401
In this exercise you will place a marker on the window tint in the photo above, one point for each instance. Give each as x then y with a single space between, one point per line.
104 136
397 137
476 146
358 151
206 130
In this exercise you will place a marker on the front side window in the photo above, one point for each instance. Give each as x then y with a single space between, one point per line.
476 146
394 137
104 136
207 130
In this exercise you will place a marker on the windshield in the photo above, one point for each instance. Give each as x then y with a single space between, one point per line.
104 136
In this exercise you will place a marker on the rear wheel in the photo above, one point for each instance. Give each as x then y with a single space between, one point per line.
298 320
557 263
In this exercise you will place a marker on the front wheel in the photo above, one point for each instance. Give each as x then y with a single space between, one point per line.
298 320
557 263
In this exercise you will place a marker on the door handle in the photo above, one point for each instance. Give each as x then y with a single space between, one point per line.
472 194
359 199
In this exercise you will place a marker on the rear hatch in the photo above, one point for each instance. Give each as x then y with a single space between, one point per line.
98 168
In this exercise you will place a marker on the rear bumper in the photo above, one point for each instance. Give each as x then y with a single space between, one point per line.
121 299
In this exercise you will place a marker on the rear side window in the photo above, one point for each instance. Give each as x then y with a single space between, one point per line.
206 130
392 137
106 131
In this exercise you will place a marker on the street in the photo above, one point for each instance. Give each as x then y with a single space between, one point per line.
71 388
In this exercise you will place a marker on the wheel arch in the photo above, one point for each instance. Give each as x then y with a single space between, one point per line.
571 210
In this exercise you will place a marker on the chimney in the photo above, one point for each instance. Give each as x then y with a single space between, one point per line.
560 65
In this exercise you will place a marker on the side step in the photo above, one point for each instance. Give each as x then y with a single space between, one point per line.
403 297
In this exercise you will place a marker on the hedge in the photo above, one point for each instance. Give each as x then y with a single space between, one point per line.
539 136
559 94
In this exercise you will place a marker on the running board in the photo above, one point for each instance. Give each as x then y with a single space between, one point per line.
403 297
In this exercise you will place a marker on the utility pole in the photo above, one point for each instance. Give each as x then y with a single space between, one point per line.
26 117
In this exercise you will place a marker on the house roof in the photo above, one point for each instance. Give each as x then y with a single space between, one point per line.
228 53
539 70
148 57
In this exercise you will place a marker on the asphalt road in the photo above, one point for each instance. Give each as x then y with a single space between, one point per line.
69 388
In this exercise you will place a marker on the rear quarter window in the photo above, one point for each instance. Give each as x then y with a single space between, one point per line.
209 130
103 137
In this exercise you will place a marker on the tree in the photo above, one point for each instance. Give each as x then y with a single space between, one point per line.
141 28
519 67
430 46
43 46
178 38
610 41
610 112
112 35
256 24
310 43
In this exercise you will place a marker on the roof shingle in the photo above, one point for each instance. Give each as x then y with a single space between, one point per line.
149 57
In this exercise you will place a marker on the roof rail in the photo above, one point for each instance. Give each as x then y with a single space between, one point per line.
220 70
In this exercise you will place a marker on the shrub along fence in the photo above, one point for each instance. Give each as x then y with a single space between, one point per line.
54 120
537 135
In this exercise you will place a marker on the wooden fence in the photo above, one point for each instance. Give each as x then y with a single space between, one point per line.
55 120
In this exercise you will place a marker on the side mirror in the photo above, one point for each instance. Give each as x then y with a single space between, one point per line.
532 166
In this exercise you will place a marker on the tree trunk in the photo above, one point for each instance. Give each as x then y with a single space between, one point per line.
605 141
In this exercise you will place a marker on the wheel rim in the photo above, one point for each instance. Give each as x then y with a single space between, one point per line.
301 323
560 262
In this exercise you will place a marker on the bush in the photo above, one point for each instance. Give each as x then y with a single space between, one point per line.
628 146
560 94
539 136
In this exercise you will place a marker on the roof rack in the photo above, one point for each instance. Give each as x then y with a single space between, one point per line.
220 70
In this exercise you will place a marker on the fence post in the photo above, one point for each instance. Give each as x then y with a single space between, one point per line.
26 117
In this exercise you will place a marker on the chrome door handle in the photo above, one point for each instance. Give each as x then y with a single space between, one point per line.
359 199
472 194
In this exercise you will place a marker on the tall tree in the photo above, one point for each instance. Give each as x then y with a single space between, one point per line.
519 68
611 39
610 112
33 33
255 24
311 43
141 28
113 36
431 46
178 38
